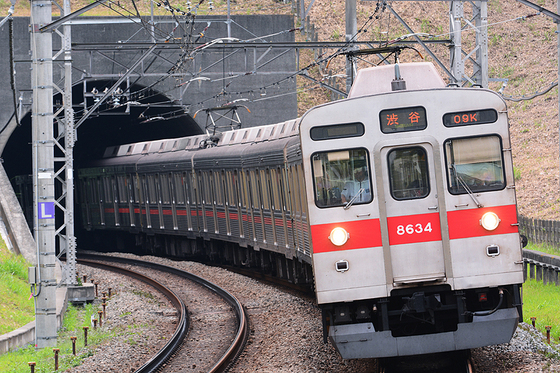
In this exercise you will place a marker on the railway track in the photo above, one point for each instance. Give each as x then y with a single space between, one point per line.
215 338
446 362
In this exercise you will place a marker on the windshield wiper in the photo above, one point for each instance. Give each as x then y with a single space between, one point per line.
351 202
466 187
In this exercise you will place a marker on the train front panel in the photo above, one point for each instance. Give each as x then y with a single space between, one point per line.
413 219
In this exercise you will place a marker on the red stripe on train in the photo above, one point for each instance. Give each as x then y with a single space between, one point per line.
414 228
363 234
466 223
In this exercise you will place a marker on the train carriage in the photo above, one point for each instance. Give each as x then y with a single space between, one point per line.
413 216
397 204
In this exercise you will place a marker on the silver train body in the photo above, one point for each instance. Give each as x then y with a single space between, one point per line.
397 203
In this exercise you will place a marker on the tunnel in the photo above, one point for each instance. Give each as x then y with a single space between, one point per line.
134 114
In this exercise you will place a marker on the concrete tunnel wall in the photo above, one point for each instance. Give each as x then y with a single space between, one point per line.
245 70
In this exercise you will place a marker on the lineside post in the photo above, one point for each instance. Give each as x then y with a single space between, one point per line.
43 175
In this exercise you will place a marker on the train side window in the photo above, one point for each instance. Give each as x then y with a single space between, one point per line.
276 184
207 192
95 190
129 188
474 164
152 192
188 180
230 185
145 197
255 200
341 176
91 191
107 189
115 189
408 173
122 188
246 189
164 186
136 188
265 190
219 188
179 189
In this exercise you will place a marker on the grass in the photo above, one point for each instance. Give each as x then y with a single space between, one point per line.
17 309
16 306
74 321
541 301
543 248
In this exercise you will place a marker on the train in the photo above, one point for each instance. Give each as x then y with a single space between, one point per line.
397 204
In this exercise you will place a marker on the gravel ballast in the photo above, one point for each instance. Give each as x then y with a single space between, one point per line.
286 332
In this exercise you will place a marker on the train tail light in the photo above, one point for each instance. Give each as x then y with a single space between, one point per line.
482 297
490 221
339 236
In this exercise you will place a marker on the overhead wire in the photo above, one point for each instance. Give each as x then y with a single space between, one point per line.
188 36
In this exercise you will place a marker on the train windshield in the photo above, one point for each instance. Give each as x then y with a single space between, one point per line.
341 176
474 164
408 170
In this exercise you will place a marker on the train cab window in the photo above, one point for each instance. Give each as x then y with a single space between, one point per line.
341 176
408 173
474 164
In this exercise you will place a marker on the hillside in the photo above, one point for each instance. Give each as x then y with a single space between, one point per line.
522 49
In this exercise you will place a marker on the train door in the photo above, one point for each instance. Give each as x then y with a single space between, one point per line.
412 213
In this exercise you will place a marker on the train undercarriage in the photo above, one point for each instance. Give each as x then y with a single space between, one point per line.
423 320
291 269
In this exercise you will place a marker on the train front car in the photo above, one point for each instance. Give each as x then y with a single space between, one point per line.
413 217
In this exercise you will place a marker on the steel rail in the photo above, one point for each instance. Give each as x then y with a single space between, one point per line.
236 347
182 325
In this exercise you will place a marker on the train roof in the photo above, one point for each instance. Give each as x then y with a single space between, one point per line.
379 79
370 81
238 136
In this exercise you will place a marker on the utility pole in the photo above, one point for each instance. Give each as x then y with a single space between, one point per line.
43 175
351 31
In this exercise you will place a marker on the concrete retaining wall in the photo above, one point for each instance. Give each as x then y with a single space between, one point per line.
26 334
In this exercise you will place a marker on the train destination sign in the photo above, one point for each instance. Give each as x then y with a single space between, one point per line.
466 118
337 131
403 119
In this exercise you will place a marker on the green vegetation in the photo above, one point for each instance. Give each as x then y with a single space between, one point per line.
74 321
543 248
16 307
516 173
541 301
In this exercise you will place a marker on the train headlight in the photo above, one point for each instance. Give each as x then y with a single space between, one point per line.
490 221
339 236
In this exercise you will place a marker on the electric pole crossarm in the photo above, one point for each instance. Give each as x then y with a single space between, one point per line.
70 16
